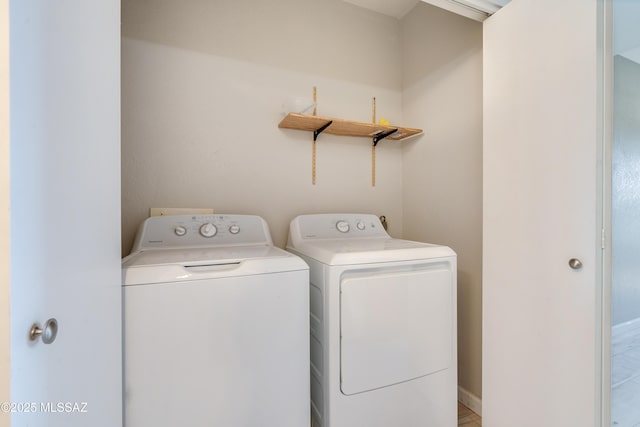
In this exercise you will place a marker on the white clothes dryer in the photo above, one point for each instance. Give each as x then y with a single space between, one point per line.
216 326
383 324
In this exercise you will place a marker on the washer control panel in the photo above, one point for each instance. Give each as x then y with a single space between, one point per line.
337 226
182 231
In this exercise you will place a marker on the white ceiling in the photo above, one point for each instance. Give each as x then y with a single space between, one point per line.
474 9
626 15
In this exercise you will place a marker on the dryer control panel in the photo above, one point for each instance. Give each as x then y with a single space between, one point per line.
336 226
187 231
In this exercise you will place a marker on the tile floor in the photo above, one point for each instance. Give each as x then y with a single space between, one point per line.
468 418
625 375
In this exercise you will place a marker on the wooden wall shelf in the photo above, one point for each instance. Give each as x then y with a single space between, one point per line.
375 132
346 127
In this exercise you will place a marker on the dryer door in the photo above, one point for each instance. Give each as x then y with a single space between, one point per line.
395 326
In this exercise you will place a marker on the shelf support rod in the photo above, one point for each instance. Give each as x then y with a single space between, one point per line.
313 150
321 129
373 165
382 135
377 138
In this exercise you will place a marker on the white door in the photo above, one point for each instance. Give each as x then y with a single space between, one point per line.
65 212
542 209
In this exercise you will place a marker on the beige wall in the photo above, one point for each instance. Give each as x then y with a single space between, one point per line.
204 85
4 209
328 38
203 88
442 203
625 198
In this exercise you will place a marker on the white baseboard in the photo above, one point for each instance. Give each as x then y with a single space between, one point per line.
626 326
470 400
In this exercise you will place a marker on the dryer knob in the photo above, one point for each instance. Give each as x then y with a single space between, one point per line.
342 226
180 231
208 230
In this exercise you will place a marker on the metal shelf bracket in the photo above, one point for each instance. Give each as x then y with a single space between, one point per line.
321 129
382 135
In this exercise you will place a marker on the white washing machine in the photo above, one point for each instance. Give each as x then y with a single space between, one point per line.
383 324
216 326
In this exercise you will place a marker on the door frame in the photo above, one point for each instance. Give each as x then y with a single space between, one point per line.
605 133
4 211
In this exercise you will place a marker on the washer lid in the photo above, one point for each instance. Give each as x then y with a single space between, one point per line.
368 250
171 265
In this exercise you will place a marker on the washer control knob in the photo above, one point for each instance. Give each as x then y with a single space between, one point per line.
342 226
360 225
234 229
208 230
180 231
